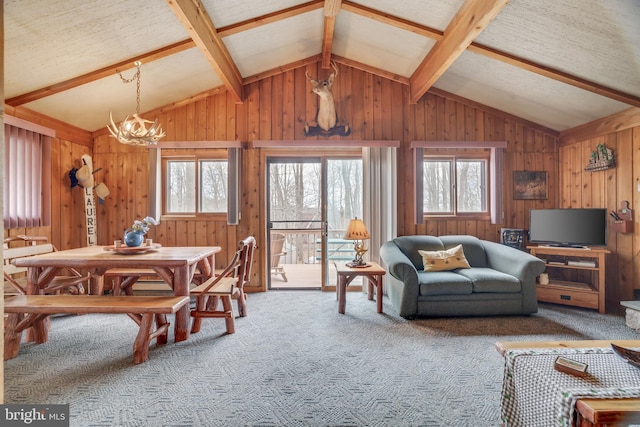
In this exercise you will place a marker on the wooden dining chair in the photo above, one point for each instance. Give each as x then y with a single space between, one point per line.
221 287
246 247
15 277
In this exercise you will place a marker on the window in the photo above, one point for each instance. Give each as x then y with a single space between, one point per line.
458 178
186 194
26 200
454 186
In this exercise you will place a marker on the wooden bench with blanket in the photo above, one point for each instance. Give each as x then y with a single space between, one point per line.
26 311
590 411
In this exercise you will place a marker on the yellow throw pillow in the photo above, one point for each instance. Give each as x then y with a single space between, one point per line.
444 260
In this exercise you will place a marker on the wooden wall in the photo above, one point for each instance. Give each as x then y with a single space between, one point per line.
607 189
277 108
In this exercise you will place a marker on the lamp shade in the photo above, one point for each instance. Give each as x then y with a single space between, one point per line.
356 230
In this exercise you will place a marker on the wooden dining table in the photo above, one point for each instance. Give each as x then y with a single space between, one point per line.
175 265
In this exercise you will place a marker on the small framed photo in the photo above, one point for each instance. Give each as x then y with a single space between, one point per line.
529 185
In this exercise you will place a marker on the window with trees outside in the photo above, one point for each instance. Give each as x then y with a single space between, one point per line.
455 186
195 185
458 179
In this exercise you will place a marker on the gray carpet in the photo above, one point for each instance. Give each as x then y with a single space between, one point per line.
294 361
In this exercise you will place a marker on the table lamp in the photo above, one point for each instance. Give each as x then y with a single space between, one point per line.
357 232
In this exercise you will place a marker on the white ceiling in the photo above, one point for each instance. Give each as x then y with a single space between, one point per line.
593 42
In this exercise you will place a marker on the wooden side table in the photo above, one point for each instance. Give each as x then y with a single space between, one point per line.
373 273
607 412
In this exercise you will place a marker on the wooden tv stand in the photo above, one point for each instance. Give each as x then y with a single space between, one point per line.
576 276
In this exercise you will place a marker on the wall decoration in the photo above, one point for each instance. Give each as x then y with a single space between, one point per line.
326 117
601 159
83 178
529 185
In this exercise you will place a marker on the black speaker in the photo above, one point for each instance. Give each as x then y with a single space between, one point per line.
513 237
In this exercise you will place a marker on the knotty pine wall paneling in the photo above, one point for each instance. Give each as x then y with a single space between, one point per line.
277 108
607 189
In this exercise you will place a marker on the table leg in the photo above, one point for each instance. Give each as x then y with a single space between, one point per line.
375 281
342 293
379 292
96 282
37 280
181 288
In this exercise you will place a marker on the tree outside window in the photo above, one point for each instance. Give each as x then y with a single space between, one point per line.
183 192
455 186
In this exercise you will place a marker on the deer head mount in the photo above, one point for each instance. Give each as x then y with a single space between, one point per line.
326 117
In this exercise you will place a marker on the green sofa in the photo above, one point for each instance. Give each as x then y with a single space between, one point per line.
501 280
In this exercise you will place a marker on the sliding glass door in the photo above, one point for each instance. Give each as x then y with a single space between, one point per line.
310 202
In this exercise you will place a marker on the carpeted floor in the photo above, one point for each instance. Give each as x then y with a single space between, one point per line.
294 361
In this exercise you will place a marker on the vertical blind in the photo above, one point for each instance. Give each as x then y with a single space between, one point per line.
23 176
380 198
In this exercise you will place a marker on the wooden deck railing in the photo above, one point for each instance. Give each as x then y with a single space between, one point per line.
304 246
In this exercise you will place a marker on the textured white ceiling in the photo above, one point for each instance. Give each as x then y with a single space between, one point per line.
399 51
523 94
50 41
272 45
593 39
162 83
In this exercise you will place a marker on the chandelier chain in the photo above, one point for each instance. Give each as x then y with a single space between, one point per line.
135 77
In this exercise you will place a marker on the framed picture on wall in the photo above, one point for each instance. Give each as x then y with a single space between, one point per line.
529 185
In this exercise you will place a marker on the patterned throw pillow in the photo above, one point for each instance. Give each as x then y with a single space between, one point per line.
444 260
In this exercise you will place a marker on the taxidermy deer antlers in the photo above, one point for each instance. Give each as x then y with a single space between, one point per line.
326 118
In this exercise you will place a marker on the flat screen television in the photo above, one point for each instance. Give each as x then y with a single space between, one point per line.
568 227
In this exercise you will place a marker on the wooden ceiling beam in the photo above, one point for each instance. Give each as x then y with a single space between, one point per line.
531 66
327 40
466 25
371 70
100 74
198 24
613 123
331 9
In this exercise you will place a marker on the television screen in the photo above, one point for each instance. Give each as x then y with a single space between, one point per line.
568 227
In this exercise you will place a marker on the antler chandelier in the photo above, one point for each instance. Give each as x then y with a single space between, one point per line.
133 129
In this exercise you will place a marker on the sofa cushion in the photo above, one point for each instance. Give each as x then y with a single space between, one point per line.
473 248
409 245
490 280
443 283
445 260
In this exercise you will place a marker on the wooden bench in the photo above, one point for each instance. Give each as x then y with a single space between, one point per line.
591 412
26 311
15 277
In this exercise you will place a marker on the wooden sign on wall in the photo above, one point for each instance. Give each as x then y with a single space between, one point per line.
90 206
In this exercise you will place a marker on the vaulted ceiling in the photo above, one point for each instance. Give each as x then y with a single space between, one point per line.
559 63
